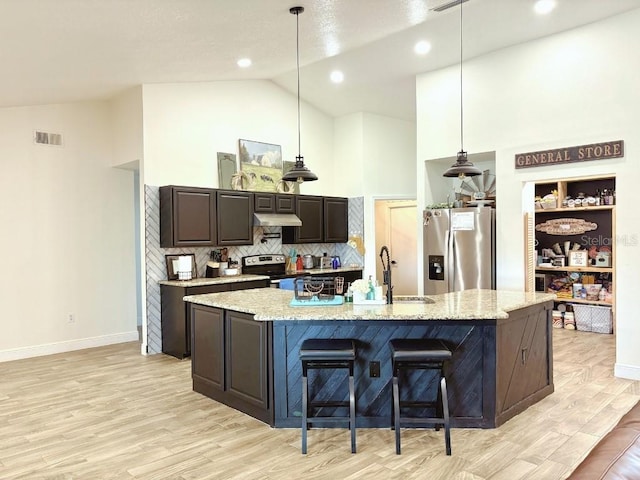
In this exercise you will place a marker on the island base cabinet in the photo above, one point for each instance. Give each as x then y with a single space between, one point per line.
174 313
207 359
499 367
524 363
231 360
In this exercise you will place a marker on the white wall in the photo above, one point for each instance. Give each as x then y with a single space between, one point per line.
574 88
374 158
127 127
68 233
349 153
185 125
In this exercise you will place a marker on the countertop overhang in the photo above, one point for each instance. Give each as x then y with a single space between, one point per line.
269 304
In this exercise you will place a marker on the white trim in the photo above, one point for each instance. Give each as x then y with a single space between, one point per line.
631 372
67 346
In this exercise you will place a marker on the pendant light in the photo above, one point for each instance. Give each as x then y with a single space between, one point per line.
463 167
299 173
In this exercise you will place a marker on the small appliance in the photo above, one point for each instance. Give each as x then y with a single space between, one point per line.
308 261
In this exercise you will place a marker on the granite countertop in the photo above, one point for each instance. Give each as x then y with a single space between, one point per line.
199 282
273 304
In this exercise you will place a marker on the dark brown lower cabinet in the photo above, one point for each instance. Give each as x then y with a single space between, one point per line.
207 362
174 313
232 355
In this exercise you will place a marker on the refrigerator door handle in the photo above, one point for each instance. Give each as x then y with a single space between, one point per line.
450 260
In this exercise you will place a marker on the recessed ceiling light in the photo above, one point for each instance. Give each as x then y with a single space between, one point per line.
337 76
542 7
422 47
244 62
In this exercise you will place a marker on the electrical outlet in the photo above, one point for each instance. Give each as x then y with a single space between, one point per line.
72 318
374 369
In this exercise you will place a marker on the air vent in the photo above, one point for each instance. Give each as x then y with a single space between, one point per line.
448 5
45 138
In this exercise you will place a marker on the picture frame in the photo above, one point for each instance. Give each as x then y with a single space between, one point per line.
172 265
261 164
578 258
291 187
227 168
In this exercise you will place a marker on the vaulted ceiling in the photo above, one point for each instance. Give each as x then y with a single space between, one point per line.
72 50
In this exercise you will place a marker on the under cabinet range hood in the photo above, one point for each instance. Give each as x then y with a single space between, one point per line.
276 220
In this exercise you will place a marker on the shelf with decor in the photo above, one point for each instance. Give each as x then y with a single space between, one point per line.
570 240
575 269
575 209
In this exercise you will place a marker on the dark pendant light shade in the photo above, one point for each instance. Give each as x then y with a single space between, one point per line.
299 173
463 167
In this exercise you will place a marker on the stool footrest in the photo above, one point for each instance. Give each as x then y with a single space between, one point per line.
327 420
419 420
418 404
318 364
328 404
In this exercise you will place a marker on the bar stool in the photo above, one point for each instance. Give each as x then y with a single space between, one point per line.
329 353
420 354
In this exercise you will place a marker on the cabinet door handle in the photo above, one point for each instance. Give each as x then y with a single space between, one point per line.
524 355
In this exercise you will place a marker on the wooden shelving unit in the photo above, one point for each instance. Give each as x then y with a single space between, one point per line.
604 234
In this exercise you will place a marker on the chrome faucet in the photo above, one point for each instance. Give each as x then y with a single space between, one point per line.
386 273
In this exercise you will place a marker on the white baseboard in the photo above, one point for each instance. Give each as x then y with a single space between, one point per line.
68 346
631 372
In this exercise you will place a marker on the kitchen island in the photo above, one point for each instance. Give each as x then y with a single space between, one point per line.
245 352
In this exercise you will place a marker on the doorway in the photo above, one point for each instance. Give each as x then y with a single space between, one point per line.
395 227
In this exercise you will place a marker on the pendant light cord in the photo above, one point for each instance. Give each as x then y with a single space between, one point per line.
461 110
298 70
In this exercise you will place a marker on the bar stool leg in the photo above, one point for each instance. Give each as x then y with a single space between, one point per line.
305 407
396 411
445 408
352 408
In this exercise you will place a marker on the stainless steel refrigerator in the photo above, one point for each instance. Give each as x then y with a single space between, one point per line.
459 249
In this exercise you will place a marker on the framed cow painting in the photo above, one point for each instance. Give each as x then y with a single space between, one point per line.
260 165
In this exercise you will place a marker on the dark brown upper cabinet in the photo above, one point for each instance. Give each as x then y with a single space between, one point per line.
324 220
234 218
310 210
273 203
187 216
336 220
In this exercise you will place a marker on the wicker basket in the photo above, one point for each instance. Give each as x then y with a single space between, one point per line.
593 318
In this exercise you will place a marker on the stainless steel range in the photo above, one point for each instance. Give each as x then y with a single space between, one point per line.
272 265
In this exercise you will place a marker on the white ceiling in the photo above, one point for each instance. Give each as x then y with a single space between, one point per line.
57 51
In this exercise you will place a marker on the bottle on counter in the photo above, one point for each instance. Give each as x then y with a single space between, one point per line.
371 293
299 265
348 296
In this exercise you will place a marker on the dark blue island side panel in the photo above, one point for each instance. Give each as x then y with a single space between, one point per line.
471 372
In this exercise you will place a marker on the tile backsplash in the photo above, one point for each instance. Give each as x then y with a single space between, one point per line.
155 255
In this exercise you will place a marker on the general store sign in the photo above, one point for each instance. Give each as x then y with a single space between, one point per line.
581 153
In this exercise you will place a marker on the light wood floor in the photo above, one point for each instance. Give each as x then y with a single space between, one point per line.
110 413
